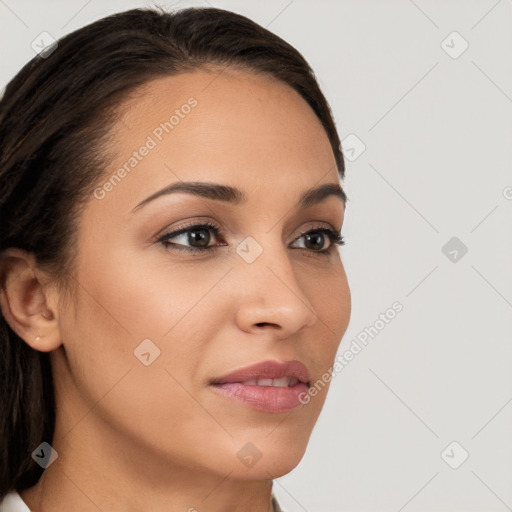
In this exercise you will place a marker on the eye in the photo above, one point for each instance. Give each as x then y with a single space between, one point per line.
197 235
316 240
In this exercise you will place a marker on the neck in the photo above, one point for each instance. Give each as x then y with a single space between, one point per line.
124 482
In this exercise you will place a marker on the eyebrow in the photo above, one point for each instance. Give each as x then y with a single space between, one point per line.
234 195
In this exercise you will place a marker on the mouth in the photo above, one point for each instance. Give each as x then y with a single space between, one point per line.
270 386
283 382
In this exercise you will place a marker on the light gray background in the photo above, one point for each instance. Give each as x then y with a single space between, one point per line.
437 164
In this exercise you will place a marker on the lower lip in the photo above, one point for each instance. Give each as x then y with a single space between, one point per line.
264 398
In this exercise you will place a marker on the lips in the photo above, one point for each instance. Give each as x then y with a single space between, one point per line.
270 386
268 373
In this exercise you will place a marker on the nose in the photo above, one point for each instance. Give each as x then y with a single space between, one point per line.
270 296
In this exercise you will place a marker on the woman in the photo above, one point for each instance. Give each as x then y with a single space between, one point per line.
171 288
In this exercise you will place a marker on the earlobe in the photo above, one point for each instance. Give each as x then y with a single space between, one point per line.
25 303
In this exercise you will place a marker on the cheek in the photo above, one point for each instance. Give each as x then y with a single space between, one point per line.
144 292
117 307
330 296
125 299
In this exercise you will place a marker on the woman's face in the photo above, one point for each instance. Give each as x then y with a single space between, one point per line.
153 324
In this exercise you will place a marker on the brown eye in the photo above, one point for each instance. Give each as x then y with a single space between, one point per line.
198 237
316 239
193 239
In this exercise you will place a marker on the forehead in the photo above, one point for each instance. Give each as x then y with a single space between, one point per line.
232 127
232 105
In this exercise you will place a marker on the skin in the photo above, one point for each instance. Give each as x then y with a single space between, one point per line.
132 437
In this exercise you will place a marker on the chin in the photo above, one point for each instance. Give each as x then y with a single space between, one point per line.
273 464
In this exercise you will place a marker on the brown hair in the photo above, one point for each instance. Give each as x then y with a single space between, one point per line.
55 117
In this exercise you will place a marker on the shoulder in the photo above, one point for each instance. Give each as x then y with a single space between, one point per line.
12 502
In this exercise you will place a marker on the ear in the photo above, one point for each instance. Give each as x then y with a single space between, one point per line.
28 302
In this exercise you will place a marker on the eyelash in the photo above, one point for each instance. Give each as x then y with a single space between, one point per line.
335 238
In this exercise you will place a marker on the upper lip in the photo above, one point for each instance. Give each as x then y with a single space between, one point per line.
267 370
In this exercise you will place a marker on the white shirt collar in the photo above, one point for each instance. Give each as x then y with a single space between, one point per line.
12 502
